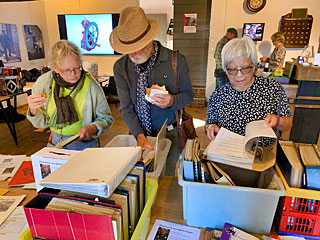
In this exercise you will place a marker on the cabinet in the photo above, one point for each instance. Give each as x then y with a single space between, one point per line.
305 106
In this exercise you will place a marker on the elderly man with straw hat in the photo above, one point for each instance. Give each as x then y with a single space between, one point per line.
145 63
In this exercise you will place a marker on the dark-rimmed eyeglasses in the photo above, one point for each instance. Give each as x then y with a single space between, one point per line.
69 71
243 70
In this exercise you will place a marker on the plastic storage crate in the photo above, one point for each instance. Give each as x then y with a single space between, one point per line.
212 205
142 227
298 213
130 141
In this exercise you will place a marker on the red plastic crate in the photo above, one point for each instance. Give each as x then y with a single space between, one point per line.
300 216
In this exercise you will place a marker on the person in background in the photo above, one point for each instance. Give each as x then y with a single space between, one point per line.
247 98
279 53
68 100
219 73
145 63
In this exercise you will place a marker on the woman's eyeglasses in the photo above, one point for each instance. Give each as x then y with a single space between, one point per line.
69 71
243 70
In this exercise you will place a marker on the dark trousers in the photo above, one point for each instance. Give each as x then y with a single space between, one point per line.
221 77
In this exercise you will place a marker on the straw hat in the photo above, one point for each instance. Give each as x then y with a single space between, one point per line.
133 32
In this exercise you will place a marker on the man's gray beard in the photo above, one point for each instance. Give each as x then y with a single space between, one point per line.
140 60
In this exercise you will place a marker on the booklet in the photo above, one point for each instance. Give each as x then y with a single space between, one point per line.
168 230
15 225
23 176
8 204
237 150
9 165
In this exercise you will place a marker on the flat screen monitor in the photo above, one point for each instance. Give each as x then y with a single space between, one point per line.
89 32
253 31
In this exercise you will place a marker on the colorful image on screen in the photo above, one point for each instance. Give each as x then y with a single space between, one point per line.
253 31
89 32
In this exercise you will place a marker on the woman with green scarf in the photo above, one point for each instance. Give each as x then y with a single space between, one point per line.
68 100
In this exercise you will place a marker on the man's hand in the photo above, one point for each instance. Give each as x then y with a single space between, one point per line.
271 121
212 131
86 132
35 101
162 100
143 142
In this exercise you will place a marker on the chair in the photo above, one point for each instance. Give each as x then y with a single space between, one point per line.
111 91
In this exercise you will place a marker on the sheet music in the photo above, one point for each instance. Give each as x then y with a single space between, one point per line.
228 143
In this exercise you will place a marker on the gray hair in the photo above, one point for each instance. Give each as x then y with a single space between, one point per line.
278 36
62 48
239 48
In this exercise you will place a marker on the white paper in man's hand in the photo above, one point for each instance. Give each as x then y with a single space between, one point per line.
153 92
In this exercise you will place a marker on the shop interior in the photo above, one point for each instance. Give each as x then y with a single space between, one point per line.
34 26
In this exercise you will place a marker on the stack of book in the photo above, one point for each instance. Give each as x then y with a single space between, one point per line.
290 164
106 183
311 161
200 170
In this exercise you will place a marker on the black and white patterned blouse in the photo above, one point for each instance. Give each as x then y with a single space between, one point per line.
233 110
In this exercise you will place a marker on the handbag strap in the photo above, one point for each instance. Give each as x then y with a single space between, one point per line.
174 66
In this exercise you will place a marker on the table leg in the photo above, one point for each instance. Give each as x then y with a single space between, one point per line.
9 120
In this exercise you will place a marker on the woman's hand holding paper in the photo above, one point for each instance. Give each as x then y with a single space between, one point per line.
212 131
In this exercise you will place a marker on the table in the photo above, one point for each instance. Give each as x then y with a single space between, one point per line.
10 118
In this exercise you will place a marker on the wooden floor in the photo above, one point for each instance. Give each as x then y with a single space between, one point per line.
30 141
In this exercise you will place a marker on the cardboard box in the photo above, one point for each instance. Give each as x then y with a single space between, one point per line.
47 160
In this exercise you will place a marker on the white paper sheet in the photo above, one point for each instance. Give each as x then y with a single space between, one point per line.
15 225
172 231
8 204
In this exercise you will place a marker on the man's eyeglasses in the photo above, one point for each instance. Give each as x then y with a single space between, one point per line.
69 71
243 70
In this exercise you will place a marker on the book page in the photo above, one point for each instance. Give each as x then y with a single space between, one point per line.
257 129
227 143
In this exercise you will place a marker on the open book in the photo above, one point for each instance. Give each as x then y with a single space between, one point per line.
237 150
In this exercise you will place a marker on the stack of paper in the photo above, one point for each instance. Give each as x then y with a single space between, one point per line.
96 171
309 155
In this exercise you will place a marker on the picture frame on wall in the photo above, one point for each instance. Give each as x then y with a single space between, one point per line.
34 41
9 43
299 12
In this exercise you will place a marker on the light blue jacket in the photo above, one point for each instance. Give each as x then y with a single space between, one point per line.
95 110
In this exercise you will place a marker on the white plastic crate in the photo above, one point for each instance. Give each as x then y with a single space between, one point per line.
249 208
130 141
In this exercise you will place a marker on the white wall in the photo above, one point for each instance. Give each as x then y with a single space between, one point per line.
158 7
25 13
233 13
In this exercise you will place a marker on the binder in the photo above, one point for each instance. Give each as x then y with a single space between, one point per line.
97 171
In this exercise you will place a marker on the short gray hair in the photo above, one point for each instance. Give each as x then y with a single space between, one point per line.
239 48
278 36
62 48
